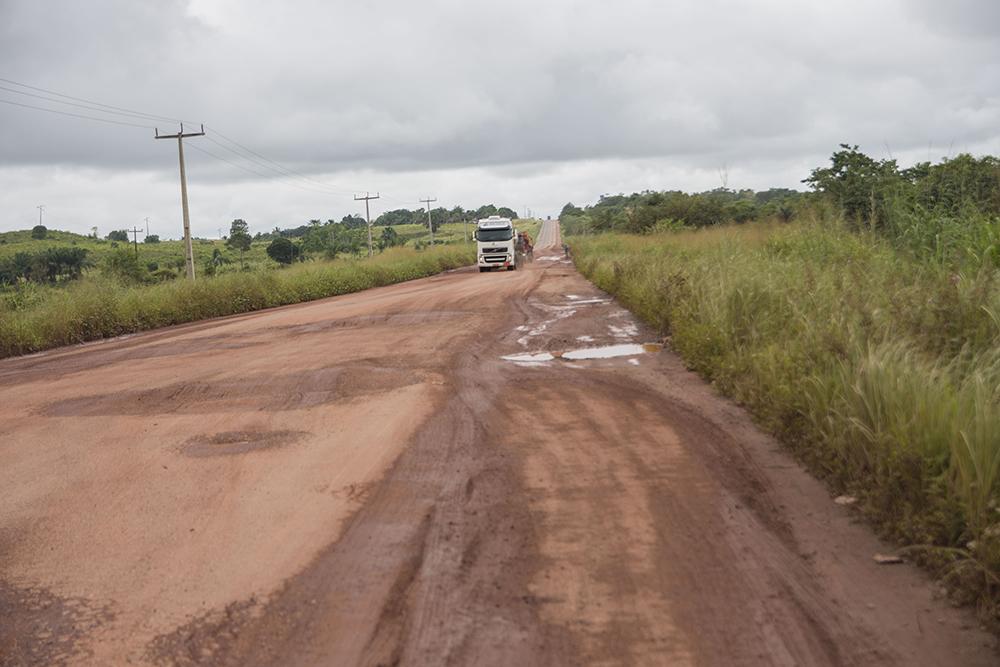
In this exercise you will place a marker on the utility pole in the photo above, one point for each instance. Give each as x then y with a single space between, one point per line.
368 218
135 239
430 226
40 209
180 136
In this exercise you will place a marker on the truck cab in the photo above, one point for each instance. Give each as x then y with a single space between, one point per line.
495 244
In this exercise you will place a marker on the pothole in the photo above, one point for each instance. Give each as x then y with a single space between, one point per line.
229 443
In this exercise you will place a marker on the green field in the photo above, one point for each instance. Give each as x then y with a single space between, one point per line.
170 254
37 316
881 370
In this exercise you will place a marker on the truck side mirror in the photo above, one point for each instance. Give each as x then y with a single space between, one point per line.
475 234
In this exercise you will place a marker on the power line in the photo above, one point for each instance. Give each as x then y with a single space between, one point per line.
77 115
279 172
258 173
276 164
255 158
80 106
100 104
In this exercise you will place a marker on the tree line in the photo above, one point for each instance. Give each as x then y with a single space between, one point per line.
948 210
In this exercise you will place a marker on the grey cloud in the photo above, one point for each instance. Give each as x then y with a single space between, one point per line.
393 88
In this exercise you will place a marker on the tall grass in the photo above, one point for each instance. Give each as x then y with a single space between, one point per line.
43 317
881 371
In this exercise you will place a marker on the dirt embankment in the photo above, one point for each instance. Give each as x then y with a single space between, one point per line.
422 474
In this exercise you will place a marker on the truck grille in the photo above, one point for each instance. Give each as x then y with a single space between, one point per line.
486 250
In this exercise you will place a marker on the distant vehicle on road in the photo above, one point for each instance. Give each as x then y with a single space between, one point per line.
495 244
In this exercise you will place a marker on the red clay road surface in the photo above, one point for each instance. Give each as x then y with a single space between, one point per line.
366 480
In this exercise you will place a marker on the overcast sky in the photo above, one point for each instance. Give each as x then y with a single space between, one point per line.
526 104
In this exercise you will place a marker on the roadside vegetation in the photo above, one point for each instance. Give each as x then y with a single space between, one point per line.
58 288
37 318
861 325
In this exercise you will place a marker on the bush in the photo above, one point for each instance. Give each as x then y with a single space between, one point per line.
124 265
281 250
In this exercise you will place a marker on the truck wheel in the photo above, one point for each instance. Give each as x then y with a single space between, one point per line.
512 267
484 269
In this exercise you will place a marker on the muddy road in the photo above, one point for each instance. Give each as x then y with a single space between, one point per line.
429 473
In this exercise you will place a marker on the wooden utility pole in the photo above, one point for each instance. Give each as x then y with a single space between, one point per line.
135 239
180 136
430 225
368 218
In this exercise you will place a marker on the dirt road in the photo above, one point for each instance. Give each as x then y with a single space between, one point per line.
429 473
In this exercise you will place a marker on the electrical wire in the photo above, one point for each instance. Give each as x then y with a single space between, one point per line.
282 173
73 104
277 165
99 104
77 115
255 158
253 171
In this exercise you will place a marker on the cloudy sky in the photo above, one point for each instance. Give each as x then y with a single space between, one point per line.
526 104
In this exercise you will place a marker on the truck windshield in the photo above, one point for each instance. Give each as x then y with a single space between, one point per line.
495 234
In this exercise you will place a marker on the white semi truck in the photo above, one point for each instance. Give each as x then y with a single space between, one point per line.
496 244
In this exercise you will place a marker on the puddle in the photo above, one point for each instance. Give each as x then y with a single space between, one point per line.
580 302
605 351
625 331
527 358
602 352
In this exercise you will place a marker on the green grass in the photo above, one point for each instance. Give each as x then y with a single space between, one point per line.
164 254
40 317
880 371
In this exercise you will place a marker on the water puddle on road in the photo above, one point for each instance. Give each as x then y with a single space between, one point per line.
583 353
609 351
529 358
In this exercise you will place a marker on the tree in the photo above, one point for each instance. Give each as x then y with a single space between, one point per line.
316 238
239 238
399 216
505 212
151 238
570 209
353 222
388 239
281 250
118 235
39 232
858 184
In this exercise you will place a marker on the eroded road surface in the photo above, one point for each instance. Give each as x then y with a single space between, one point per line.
472 469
